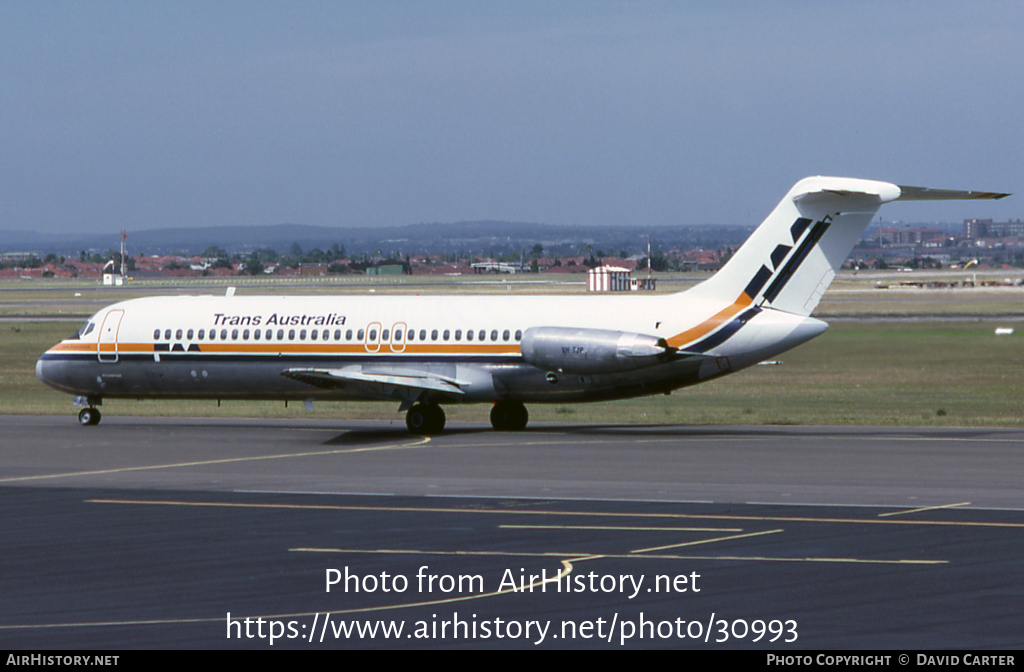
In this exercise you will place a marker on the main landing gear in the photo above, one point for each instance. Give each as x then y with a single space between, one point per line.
509 416
89 416
425 419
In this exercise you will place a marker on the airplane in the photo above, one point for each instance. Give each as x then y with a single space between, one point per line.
428 351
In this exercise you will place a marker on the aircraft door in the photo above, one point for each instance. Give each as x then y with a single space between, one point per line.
372 342
106 344
398 337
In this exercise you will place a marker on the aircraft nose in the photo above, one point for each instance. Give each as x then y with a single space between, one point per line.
49 372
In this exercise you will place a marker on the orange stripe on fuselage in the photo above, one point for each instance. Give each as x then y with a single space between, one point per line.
300 349
712 323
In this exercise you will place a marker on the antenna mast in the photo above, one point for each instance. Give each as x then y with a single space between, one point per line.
124 265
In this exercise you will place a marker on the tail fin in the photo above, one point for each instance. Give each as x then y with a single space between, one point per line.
790 260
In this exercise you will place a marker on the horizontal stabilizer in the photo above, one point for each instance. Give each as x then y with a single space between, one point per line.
926 194
790 260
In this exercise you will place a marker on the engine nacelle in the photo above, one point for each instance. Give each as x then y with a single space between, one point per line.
591 350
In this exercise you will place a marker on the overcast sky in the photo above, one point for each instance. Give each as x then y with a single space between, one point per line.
153 114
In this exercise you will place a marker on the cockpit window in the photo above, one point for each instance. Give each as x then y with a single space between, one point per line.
85 330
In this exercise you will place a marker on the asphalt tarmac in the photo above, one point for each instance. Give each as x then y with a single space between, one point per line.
149 532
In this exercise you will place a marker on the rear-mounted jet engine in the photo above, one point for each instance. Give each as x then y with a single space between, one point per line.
591 351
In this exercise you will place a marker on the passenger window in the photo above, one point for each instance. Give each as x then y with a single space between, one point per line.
302 335
223 334
167 334
469 335
458 334
348 334
519 334
156 334
234 334
384 335
504 335
433 335
213 334
312 335
398 334
245 335
494 334
373 334
423 334
482 335
280 334
177 335
202 334
412 335
256 335
291 334
359 334
189 334
446 334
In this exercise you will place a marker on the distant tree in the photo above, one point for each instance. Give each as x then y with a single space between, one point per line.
253 265
537 250
533 267
658 263
214 252
295 250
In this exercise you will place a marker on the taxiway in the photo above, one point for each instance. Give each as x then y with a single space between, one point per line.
147 532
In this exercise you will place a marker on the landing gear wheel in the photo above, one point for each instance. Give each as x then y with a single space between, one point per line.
509 416
425 419
89 416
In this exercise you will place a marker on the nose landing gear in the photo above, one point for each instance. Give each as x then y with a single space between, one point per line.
89 416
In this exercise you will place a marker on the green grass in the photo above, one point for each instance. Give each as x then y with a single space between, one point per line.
930 373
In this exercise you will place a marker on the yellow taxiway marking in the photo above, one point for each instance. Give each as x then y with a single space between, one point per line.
706 541
597 514
633 555
924 508
227 460
565 571
625 528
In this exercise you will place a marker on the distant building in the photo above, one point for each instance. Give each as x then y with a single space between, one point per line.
491 266
986 228
615 279
313 269
908 236
390 269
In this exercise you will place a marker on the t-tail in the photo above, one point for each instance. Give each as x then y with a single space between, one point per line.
791 259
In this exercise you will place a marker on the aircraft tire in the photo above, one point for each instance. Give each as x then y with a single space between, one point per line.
437 419
509 416
425 419
88 417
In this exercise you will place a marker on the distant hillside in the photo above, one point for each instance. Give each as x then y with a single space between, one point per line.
483 237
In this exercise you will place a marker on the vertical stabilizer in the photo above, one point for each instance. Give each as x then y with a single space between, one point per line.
790 260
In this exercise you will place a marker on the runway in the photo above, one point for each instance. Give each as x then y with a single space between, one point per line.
147 532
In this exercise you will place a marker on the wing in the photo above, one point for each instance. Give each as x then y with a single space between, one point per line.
394 384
